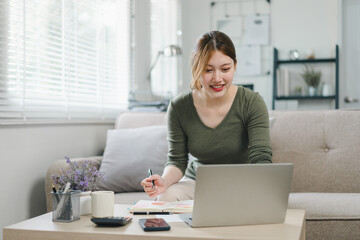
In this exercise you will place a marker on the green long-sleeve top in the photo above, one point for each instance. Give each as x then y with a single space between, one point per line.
241 137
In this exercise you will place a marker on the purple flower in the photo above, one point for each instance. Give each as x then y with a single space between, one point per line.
83 176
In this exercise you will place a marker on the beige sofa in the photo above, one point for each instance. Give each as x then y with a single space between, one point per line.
324 147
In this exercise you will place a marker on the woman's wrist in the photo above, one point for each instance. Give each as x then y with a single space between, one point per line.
165 183
168 182
171 175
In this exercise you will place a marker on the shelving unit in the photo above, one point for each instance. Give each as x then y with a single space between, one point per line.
278 62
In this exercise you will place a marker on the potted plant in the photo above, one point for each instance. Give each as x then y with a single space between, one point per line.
312 79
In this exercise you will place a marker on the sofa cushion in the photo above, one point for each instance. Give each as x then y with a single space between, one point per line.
327 206
129 153
332 229
322 145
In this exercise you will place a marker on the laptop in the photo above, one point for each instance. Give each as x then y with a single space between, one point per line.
240 194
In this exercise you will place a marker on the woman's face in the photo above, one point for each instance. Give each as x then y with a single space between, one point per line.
218 75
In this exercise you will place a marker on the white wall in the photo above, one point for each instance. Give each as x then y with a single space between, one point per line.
304 24
195 20
26 152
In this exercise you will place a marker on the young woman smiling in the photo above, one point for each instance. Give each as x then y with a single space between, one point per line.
215 121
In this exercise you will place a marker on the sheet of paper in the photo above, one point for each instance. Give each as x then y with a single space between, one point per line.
249 60
159 206
230 26
257 30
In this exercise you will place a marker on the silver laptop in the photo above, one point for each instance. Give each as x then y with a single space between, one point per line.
241 194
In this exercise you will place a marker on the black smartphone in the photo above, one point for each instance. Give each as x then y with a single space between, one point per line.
154 224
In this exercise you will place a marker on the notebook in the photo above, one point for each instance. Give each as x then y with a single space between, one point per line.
152 207
240 194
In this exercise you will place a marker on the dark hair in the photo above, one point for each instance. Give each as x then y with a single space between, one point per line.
204 48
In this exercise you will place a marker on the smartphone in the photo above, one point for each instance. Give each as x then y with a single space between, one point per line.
154 224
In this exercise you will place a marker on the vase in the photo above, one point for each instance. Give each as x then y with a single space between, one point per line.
66 206
326 90
312 91
85 203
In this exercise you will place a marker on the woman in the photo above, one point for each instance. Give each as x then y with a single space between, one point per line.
215 121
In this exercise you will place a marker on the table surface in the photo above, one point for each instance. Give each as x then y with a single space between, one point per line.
42 227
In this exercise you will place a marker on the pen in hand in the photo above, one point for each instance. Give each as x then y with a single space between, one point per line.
150 174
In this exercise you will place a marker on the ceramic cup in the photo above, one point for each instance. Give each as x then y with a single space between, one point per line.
102 204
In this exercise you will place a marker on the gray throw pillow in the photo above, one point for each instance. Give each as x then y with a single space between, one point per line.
129 153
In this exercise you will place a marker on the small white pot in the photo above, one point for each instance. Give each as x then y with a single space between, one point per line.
85 203
312 91
327 90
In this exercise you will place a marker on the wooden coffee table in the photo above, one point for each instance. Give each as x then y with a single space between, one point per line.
42 227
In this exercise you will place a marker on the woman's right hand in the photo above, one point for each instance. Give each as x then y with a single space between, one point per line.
160 185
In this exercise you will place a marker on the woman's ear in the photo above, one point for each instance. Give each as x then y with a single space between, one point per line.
235 63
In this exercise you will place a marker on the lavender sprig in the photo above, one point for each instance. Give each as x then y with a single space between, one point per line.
84 176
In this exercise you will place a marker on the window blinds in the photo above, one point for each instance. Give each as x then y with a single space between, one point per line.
64 61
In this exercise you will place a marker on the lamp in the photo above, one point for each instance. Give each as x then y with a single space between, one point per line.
159 105
168 51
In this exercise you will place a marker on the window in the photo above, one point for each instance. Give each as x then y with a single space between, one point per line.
64 61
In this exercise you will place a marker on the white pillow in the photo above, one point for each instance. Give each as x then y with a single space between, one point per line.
129 153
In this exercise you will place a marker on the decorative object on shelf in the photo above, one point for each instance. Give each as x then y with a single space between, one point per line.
310 54
82 176
312 91
327 89
312 79
294 54
298 91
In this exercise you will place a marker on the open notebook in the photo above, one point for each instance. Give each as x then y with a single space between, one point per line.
151 207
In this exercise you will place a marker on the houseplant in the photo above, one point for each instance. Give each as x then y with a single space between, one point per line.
312 79
82 176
